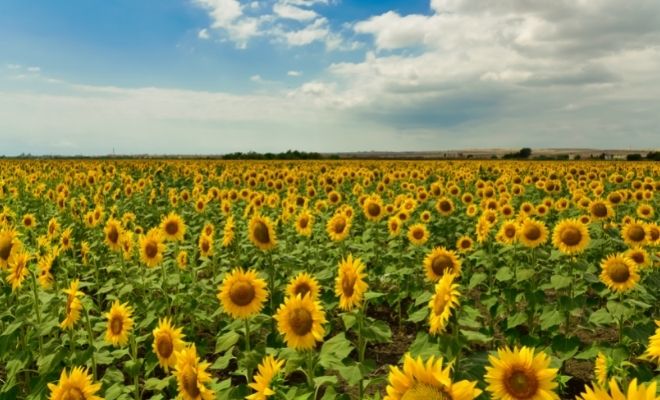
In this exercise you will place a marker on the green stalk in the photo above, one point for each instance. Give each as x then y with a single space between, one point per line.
136 376
90 339
38 311
310 368
247 347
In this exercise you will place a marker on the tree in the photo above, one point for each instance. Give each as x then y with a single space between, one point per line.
525 152
634 157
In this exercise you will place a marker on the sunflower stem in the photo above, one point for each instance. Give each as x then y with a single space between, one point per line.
310 368
136 376
90 340
37 309
247 347
72 347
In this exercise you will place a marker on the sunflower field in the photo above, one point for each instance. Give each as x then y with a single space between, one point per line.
396 280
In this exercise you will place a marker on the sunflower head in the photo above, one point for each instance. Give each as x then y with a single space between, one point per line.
519 374
152 247
532 233
120 324
261 232
427 380
205 245
300 320
570 236
444 300
418 234
643 391
191 375
9 244
168 340
76 385
268 370
173 227
619 272
73 305
464 244
653 350
439 261
394 226
18 269
304 222
373 208
113 231
601 369
634 233
338 227
350 285
508 232
303 284
242 293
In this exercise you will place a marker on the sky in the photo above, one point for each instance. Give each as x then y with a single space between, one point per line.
217 76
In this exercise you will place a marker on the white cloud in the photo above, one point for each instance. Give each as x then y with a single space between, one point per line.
13 66
316 31
203 34
294 73
288 11
256 78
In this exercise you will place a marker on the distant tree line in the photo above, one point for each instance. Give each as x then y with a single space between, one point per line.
288 155
524 153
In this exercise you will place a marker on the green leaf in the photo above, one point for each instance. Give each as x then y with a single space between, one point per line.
324 380
155 384
550 318
516 320
477 279
334 351
351 374
223 361
504 274
601 317
372 295
474 336
560 281
419 315
226 341
349 320
377 331
524 274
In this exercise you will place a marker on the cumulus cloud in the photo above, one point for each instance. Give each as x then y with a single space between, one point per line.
294 73
203 34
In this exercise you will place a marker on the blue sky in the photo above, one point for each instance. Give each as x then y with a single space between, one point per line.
213 76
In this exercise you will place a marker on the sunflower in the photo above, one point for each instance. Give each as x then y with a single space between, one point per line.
619 272
420 380
205 245
601 369
173 227
519 374
242 293
228 232
300 320
634 233
644 211
126 242
120 324
464 244
168 341
303 284
570 236
653 351
77 385
532 233
350 285
112 232
29 221
373 208
18 269
304 222
73 305
338 227
394 226
508 232
9 244
444 206
639 256
439 261
182 259
654 233
261 232
53 227
418 234
268 370
44 266
65 239
191 375
152 247
643 391
444 300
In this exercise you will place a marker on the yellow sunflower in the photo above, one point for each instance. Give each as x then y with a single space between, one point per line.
182 259
120 324
644 211
300 320
29 221
338 227
373 208
112 232
173 227
44 266
268 370
228 231
73 305
9 244
394 226
261 232
349 284
634 233
508 232
418 234
532 233
242 293
519 374
168 340
639 256
570 236
78 385
653 351
619 272
464 244
439 261
191 375
205 245
152 247
444 206
65 239
304 222
601 369
444 300
643 391
303 284
428 380
18 269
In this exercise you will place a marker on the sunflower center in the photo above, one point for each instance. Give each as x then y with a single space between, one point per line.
439 303
303 223
619 272
532 232
172 228
348 284
73 393
465 244
116 325
301 321
113 235
441 263
151 249
636 233
189 382
418 234
445 206
205 246
5 248
422 391
521 384
510 232
571 236
302 289
261 232
373 209
242 293
599 210
340 225
69 301
165 346
638 257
